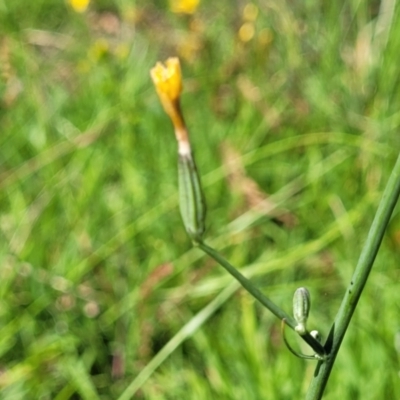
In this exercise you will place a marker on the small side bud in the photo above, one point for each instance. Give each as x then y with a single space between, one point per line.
301 309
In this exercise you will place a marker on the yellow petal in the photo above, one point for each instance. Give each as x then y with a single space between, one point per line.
168 82
168 78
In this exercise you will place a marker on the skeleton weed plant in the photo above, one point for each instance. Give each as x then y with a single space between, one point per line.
168 82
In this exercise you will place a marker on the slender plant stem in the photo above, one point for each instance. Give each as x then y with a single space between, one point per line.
357 284
255 292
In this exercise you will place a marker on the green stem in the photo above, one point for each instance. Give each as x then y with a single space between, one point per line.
255 292
358 281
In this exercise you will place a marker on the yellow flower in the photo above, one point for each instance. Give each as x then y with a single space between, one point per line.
184 6
79 5
168 79
168 82
246 32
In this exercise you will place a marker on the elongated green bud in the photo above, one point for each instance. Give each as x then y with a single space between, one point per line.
301 309
191 199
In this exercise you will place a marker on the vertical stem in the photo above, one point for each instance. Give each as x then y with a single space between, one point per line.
357 283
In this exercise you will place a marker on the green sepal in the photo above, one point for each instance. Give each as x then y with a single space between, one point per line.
191 198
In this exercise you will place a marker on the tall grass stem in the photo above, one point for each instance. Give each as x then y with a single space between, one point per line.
357 283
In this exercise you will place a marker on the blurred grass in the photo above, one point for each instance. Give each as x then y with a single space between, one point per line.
97 273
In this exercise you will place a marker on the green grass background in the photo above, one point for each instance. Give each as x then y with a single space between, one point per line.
97 275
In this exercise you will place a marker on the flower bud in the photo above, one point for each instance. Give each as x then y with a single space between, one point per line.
167 79
301 309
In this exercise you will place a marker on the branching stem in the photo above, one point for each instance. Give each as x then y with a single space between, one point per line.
255 292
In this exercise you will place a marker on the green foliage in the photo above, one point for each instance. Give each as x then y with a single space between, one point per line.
96 271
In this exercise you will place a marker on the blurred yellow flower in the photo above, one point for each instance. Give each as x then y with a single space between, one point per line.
99 49
184 6
168 82
246 32
250 12
79 5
